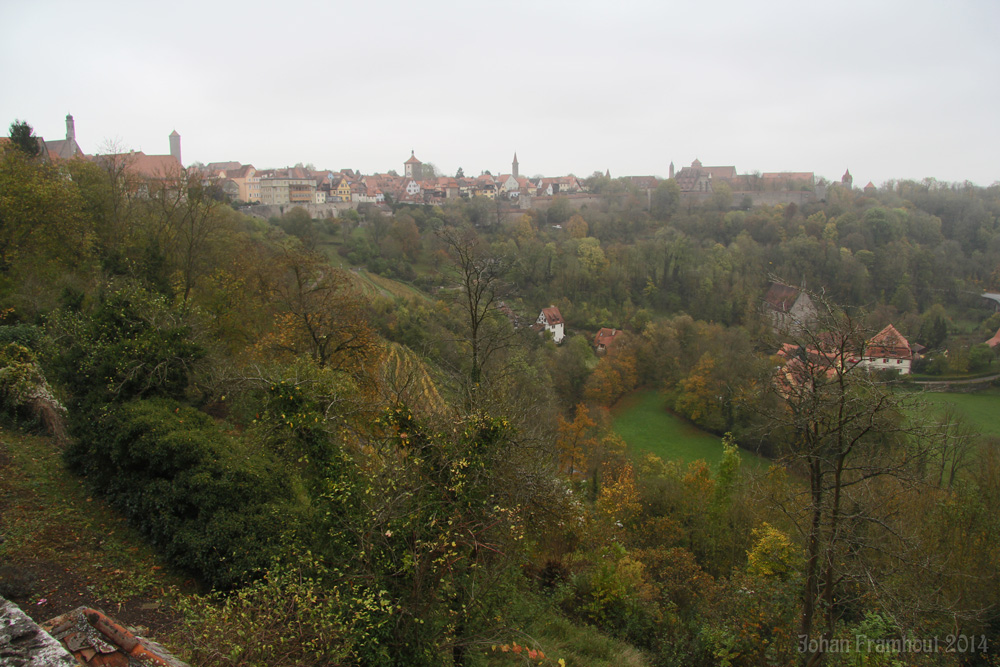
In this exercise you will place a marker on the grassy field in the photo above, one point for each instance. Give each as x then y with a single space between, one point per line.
647 427
982 408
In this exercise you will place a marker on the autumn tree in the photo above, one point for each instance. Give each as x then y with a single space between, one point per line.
316 312
44 234
577 227
186 222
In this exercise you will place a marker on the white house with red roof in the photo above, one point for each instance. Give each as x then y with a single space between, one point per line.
888 350
550 319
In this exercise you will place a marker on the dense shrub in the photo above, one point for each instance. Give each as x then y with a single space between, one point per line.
132 345
27 335
212 507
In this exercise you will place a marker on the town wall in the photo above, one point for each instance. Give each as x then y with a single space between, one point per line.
757 198
765 198
316 211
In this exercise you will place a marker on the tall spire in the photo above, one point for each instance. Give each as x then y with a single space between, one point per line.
513 165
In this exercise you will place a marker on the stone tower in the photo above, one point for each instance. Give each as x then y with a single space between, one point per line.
847 181
175 146
412 166
70 128
671 169
513 166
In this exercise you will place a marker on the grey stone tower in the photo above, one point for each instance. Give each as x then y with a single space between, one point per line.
175 146
513 166
70 128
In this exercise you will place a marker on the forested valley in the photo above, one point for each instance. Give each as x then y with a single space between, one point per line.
348 433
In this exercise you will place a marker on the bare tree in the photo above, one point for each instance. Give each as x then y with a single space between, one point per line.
842 429
480 274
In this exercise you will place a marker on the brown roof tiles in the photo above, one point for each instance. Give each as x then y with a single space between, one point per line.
95 639
889 344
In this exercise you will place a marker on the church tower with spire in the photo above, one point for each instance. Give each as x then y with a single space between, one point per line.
513 166
847 181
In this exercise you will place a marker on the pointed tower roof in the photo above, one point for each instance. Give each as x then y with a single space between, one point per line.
413 159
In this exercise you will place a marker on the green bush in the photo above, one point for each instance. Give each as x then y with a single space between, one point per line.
132 345
211 506
27 335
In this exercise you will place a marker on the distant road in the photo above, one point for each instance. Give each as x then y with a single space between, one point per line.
946 383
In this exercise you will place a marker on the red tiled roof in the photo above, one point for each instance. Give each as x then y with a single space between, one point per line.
552 316
607 337
154 166
95 639
647 182
889 344
781 297
993 342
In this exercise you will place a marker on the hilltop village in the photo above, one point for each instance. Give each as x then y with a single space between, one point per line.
325 191
406 419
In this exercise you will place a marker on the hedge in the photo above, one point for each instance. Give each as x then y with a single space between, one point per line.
210 505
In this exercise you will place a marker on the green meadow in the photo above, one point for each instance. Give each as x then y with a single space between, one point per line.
982 408
643 422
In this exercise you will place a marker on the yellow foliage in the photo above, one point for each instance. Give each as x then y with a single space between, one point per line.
772 553
619 499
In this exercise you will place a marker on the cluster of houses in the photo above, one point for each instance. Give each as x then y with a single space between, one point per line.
792 310
417 185
300 185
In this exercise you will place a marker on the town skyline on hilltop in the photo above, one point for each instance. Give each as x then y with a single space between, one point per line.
573 88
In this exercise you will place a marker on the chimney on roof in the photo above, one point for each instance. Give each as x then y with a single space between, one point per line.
70 128
175 146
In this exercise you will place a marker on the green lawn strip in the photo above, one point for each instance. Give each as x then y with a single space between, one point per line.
49 517
981 408
644 423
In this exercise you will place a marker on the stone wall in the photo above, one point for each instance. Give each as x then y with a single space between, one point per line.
316 211
24 643
767 198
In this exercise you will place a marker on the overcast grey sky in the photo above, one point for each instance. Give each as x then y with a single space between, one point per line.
894 89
